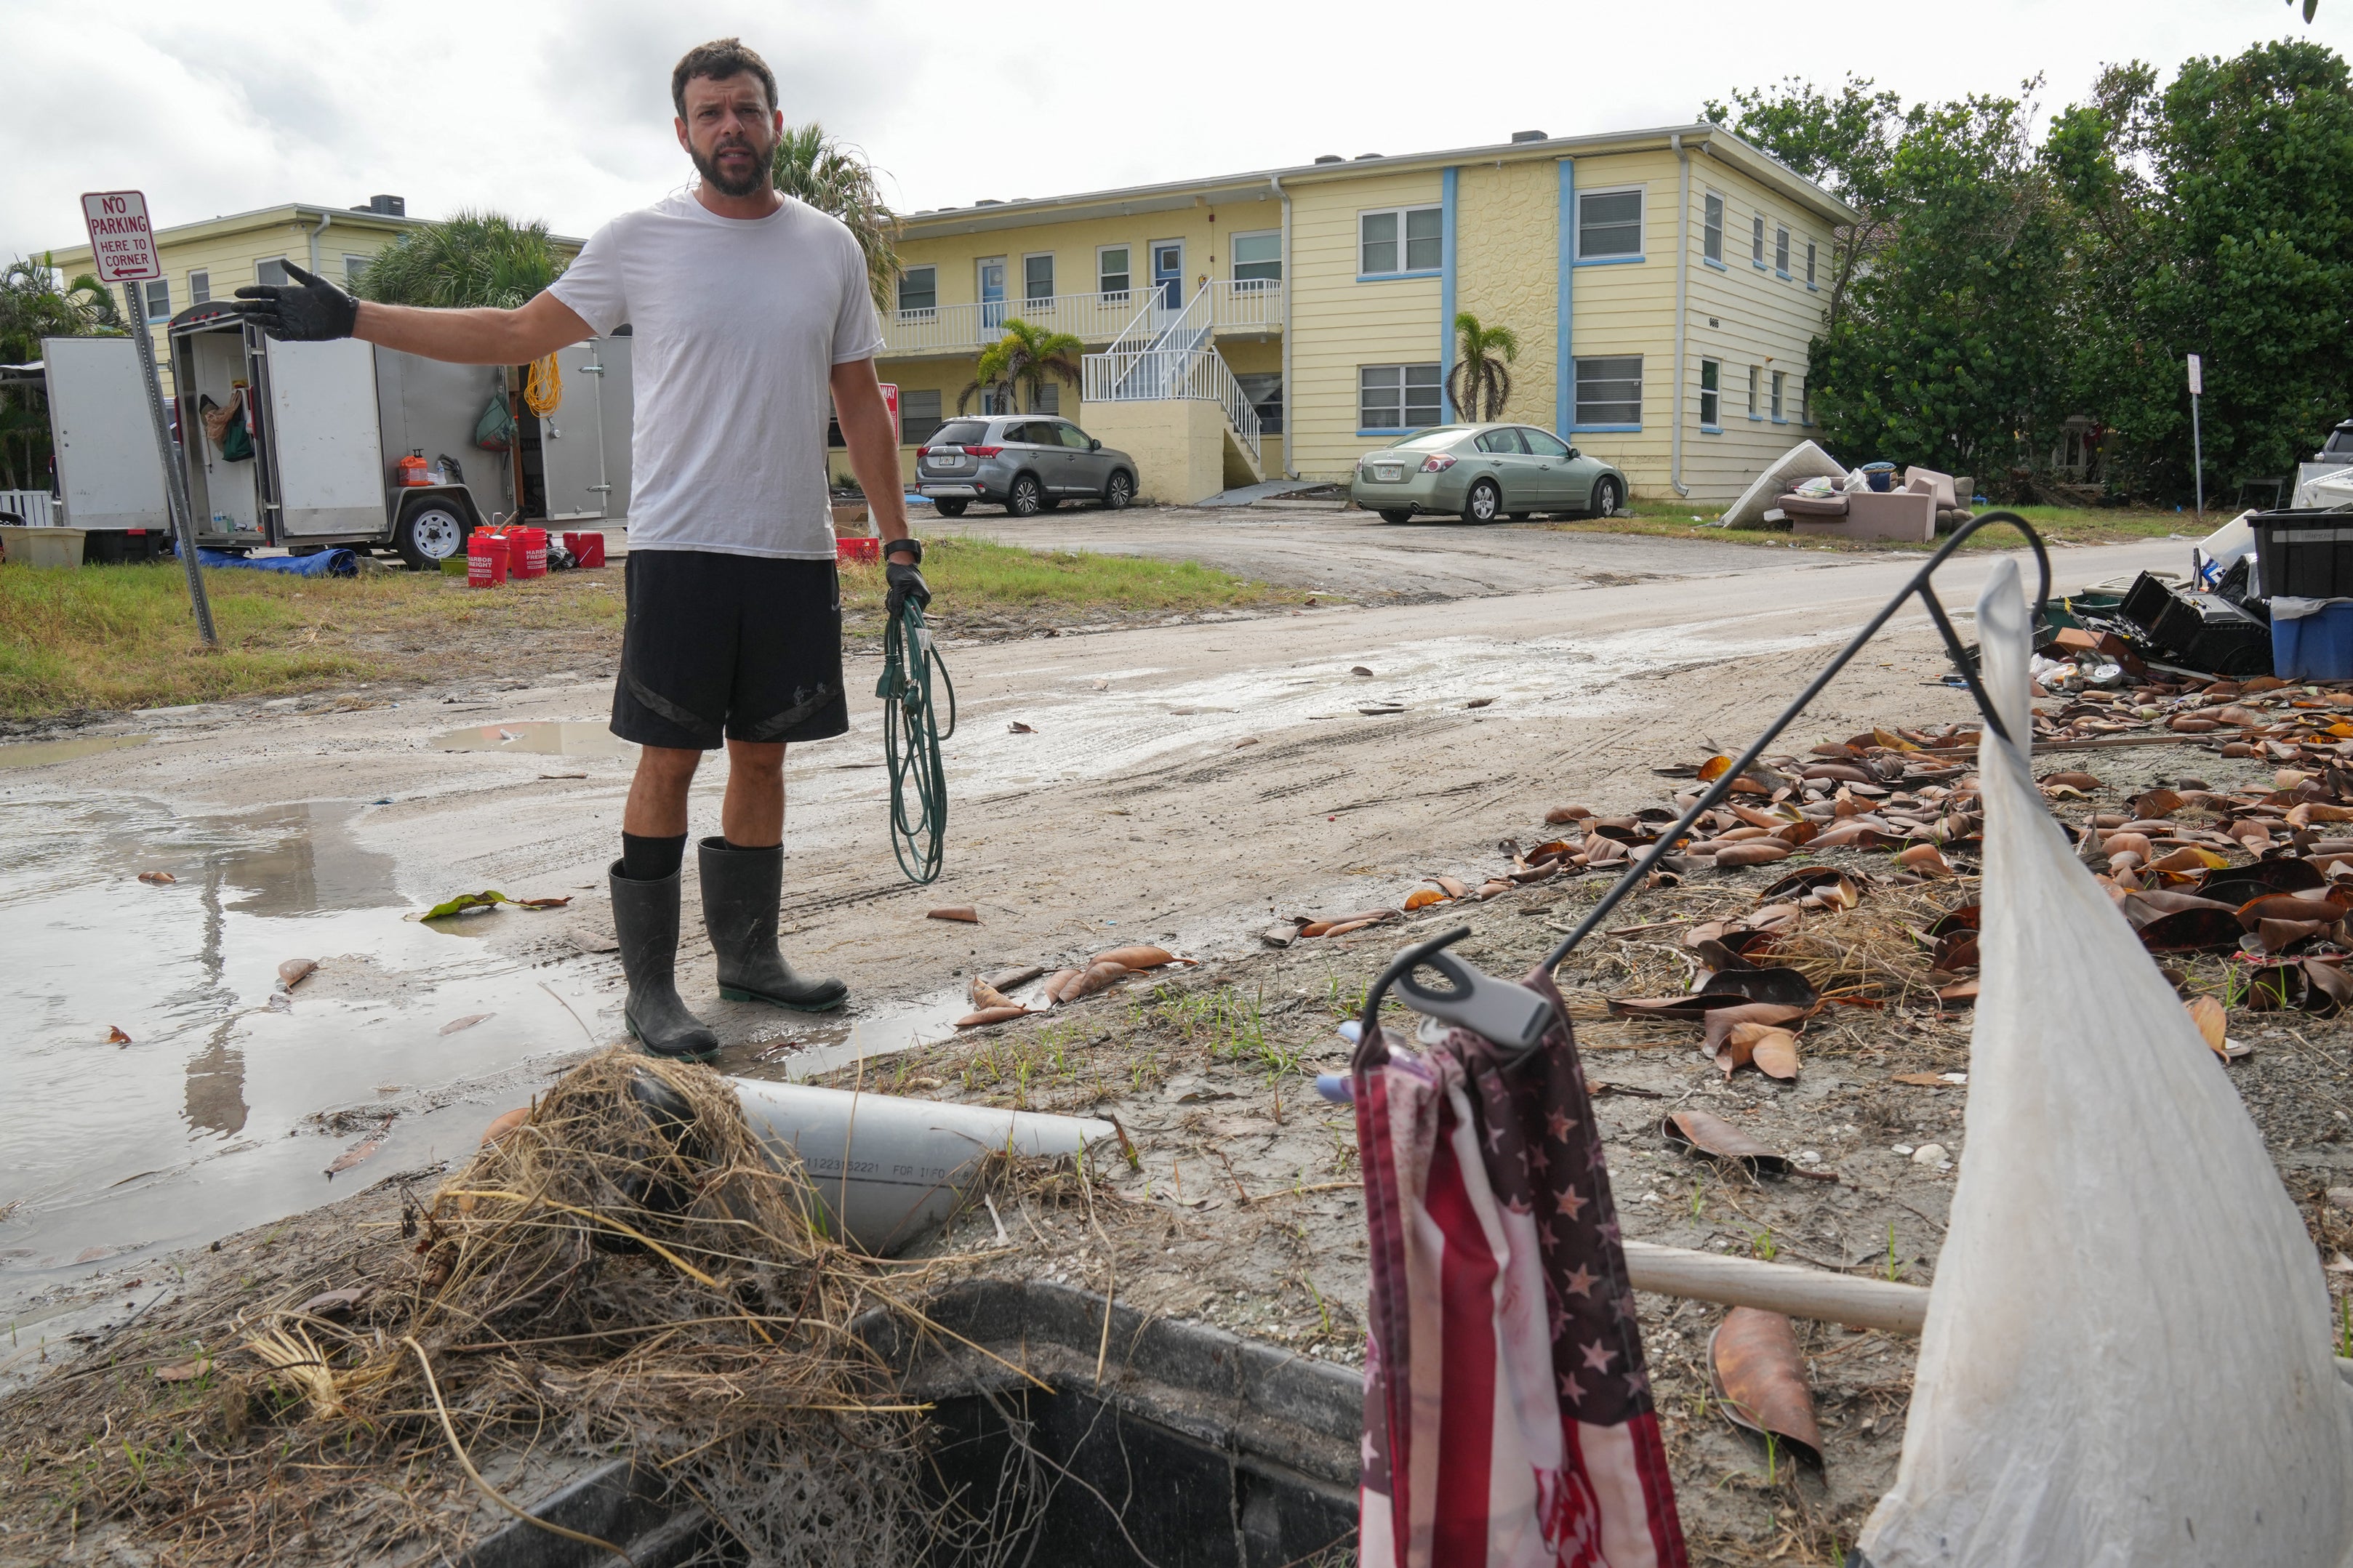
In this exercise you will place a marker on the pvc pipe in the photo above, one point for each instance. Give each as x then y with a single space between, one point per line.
889 1168
1776 1287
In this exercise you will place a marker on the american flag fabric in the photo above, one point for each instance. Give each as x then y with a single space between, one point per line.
1507 1408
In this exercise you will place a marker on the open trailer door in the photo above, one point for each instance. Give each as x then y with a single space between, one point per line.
323 442
578 455
107 470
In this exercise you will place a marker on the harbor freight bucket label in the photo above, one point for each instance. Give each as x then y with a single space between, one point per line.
120 240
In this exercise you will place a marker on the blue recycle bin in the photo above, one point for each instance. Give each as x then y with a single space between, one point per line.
2317 647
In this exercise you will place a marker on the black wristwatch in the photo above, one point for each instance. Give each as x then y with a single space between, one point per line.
897 544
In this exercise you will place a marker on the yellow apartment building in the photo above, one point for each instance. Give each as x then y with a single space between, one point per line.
212 258
1665 286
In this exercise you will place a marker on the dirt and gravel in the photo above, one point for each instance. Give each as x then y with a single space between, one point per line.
1182 784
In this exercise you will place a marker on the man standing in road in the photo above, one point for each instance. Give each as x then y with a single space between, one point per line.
748 306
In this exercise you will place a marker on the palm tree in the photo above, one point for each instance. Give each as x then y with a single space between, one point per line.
32 307
1479 378
835 177
1025 356
467 260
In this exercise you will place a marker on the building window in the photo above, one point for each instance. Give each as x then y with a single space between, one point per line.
1610 391
1037 277
1047 399
355 269
919 290
1781 251
919 415
1608 226
1400 240
1757 241
1112 275
271 273
1257 257
1781 381
1810 264
1711 242
1805 401
200 288
1264 391
1756 378
159 299
1711 395
1396 397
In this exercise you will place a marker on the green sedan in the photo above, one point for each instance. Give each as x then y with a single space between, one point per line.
1481 472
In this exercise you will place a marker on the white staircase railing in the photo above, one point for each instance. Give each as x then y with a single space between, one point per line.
1179 361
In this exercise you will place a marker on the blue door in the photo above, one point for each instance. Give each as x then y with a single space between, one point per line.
1168 274
992 293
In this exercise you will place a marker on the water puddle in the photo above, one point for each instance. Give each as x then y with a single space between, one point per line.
824 1045
540 737
41 753
209 1119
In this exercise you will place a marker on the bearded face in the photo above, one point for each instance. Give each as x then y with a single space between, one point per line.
731 132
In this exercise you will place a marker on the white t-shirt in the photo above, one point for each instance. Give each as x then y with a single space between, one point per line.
737 324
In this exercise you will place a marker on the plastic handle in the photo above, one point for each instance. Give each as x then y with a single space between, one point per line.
1511 1016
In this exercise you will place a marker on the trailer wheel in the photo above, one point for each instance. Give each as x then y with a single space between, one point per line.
428 533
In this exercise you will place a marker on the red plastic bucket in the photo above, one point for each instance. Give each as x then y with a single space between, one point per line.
858 550
486 559
527 552
587 549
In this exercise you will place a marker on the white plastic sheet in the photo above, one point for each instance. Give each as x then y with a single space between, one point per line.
2127 1354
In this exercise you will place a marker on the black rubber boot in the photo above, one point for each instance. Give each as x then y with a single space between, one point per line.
741 891
644 920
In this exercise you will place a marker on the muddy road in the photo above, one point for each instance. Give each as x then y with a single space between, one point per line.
1178 784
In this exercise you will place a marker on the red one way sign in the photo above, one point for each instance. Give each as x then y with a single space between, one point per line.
120 239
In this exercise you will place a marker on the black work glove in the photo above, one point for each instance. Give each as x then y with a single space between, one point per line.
308 310
906 582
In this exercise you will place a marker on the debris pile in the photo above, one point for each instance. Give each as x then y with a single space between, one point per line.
619 1268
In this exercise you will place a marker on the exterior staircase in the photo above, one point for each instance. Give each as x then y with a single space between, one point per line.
1165 358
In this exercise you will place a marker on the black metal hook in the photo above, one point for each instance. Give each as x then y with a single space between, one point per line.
1499 1001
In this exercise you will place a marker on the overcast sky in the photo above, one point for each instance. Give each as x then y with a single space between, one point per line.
560 109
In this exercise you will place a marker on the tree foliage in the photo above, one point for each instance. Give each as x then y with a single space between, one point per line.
1995 285
835 177
467 259
1026 357
33 307
1479 384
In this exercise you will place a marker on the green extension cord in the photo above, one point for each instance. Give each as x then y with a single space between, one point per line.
911 743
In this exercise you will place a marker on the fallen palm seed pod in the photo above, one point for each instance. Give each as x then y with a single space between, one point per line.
157 878
1095 977
1454 889
1772 1051
1711 1134
964 912
294 970
991 1016
1141 957
1560 814
984 996
1056 980
1422 898
1760 1380
1756 852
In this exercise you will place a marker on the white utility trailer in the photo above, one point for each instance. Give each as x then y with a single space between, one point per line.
328 424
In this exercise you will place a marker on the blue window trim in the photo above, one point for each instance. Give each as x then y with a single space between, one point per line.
1564 406
1608 260
1446 189
1814 288
1581 429
1389 429
1392 277
1758 417
1711 429
1783 277
1781 421
1756 264
1710 261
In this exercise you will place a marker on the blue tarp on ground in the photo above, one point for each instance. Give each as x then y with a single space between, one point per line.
324 563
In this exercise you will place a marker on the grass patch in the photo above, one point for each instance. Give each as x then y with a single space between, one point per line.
2058 524
981 578
111 637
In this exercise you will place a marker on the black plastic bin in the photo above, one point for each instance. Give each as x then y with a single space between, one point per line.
2200 631
2306 555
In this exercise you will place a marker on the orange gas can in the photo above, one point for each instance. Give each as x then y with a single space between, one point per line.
413 469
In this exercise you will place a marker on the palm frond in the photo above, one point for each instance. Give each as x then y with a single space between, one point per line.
835 178
467 259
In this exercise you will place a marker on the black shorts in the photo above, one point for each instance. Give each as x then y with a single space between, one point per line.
733 646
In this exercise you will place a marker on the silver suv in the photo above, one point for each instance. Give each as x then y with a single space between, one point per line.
1027 463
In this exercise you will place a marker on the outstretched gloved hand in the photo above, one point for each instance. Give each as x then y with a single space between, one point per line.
308 310
905 582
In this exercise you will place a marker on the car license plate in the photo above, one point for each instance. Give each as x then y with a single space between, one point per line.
1389 473
947 462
